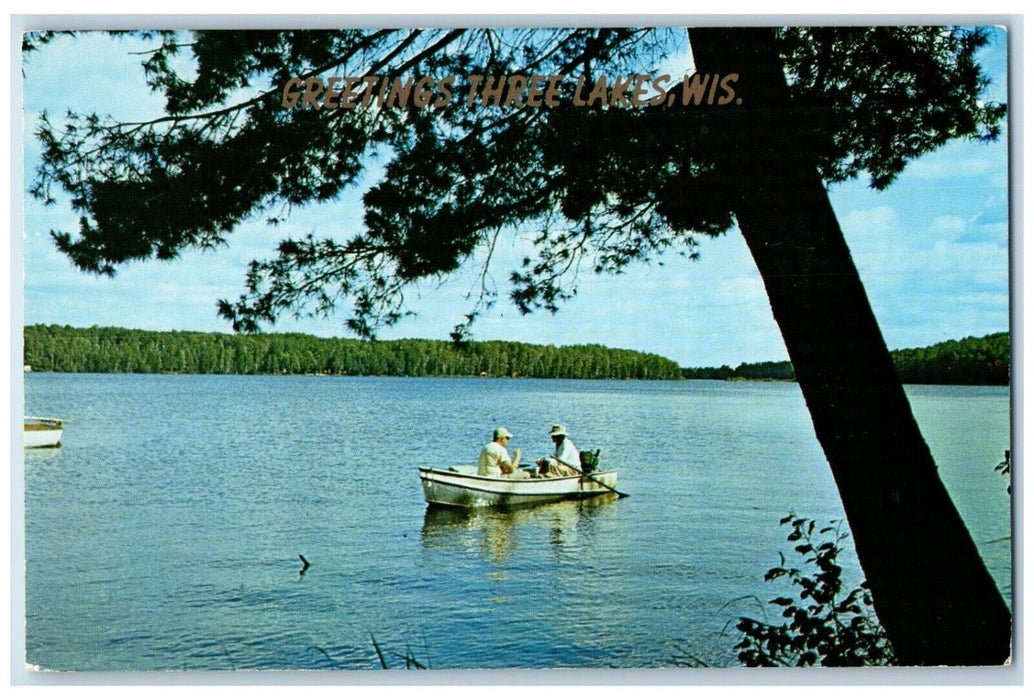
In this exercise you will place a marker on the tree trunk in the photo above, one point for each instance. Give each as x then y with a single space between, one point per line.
930 587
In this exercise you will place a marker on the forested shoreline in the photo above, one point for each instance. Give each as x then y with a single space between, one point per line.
983 361
53 348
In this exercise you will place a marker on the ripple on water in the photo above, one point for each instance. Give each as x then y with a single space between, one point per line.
165 533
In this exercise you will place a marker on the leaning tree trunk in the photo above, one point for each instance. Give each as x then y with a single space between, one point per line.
930 588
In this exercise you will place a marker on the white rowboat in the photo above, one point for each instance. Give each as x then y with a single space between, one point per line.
462 487
42 432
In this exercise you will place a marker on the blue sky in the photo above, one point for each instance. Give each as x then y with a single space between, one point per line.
932 251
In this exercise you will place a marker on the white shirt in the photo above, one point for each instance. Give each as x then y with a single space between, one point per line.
567 452
492 454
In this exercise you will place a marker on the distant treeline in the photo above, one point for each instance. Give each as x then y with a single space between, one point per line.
746 370
967 361
66 349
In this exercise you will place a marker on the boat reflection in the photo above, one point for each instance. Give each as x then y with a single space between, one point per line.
496 533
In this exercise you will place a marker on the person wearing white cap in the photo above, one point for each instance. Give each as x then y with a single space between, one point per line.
565 460
495 460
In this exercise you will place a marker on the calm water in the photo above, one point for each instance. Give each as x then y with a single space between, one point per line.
165 533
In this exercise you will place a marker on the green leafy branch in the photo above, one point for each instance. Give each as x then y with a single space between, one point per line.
822 625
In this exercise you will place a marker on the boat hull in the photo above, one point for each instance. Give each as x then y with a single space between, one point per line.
42 432
462 489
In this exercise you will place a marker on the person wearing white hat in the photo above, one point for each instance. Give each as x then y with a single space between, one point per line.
495 460
565 460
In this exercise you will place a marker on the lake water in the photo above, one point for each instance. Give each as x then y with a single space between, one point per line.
165 532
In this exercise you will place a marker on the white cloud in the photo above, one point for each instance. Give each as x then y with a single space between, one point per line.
878 221
947 226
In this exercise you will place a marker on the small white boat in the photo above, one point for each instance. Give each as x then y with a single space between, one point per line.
43 432
462 487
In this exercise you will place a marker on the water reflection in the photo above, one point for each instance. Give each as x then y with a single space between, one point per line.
495 534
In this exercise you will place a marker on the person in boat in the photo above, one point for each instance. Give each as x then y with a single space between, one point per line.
495 460
564 460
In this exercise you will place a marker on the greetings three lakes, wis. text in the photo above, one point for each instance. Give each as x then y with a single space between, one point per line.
510 91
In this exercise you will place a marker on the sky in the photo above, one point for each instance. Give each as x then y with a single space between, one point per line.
932 250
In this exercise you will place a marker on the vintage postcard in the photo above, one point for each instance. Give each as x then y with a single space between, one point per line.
496 347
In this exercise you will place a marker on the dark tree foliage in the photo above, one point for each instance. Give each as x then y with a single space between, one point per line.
967 361
600 187
723 372
983 361
596 188
67 349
